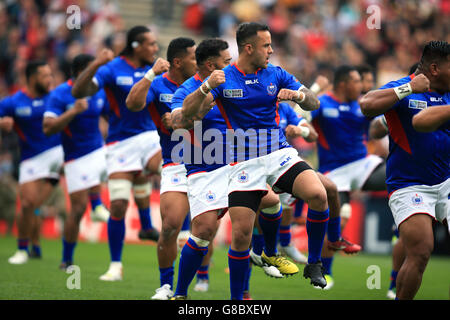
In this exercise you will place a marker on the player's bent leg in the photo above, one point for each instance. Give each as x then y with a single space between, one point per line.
141 191
300 176
154 163
119 186
416 233
174 208
335 240
32 195
79 201
204 227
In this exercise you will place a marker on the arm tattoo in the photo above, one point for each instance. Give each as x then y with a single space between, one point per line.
311 102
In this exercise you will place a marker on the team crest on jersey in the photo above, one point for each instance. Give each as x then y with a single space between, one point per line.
417 199
23 111
165 97
210 196
175 179
417 104
124 81
233 93
243 177
271 89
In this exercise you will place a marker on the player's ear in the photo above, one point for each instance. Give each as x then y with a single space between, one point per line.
434 69
176 62
249 48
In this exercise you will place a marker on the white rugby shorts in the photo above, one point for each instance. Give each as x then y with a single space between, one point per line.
46 164
173 178
353 175
421 199
207 191
87 171
132 154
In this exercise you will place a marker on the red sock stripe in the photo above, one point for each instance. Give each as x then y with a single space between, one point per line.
269 219
202 272
284 231
238 258
318 221
116 219
194 248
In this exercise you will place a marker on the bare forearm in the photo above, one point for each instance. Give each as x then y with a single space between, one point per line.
138 95
377 102
83 85
310 102
192 104
54 125
431 119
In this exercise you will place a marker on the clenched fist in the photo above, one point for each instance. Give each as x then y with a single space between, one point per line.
287 94
420 84
216 78
161 65
105 56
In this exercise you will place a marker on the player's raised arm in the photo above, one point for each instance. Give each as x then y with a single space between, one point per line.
431 119
201 99
377 102
137 96
52 125
84 86
304 97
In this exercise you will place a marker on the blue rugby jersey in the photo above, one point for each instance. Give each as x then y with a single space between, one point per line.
248 102
28 113
117 77
416 158
342 130
288 116
214 123
160 96
82 135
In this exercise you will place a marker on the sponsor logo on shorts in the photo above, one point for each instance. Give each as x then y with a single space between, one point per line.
417 199
243 177
233 93
175 179
417 104
210 196
283 162
271 89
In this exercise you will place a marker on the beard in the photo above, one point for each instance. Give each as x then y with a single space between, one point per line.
40 89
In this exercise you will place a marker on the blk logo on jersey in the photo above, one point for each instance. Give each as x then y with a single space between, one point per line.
254 81
271 89
243 177
210 196
124 81
417 199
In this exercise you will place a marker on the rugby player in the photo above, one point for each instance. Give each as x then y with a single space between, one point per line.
246 94
84 153
158 93
418 163
41 156
132 144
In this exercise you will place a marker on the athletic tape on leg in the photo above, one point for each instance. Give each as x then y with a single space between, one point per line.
119 189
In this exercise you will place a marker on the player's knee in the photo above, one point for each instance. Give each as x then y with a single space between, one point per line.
420 254
78 209
242 238
203 231
169 228
317 199
28 204
118 208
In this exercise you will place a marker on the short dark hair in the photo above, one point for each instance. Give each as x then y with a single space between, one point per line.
434 52
413 68
133 35
178 48
79 63
363 69
32 67
247 30
209 48
342 74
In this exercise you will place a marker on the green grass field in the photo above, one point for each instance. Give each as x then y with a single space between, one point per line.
41 279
